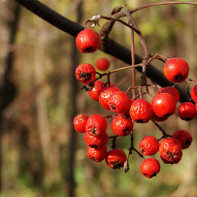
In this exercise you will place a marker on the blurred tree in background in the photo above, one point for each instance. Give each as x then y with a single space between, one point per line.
40 153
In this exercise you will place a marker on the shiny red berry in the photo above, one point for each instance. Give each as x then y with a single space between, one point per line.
170 150
85 73
96 141
96 125
163 105
176 70
96 90
184 137
79 123
194 93
102 64
141 111
105 95
187 111
158 119
149 145
150 167
96 154
115 158
87 41
122 125
170 90
119 102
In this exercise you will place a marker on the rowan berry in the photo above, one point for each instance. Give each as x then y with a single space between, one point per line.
158 119
163 105
141 111
96 90
122 125
102 64
105 95
149 145
150 167
119 102
187 111
96 141
115 158
170 90
85 73
170 150
96 125
194 93
87 41
176 70
184 137
96 154
79 123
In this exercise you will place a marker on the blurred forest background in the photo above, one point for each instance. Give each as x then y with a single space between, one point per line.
40 153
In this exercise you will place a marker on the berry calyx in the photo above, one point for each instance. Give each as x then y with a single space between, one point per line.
121 125
149 145
184 137
194 93
150 167
79 122
119 102
87 41
141 111
176 70
96 125
170 90
85 73
96 90
170 150
163 105
115 158
96 154
187 111
102 64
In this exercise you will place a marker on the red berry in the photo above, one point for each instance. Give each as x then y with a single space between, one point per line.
187 111
194 93
96 125
119 102
96 154
170 90
163 105
150 167
170 150
141 111
105 95
176 70
96 141
96 90
85 73
115 158
184 137
79 123
158 119
149 145
102 64
122 126
87 41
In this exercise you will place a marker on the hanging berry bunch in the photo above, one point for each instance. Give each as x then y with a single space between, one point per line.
128 111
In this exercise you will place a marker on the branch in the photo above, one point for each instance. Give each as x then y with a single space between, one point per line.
110 46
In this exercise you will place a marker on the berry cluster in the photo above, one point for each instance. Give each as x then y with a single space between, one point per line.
129 111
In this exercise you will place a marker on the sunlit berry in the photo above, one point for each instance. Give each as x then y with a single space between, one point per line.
194 93
149 145
115 158
184 137
79 122
96 90
141 111
187 111
96 154
85 73
150 167
87 41
102 64
176 70
122 125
